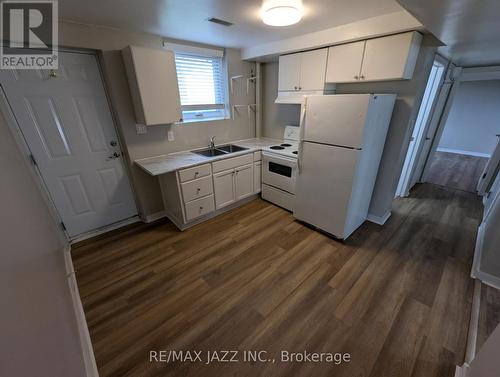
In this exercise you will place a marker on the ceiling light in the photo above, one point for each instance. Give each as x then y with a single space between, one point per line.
281 12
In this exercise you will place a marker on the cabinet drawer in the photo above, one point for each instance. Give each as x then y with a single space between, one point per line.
197 189
194 173
257 156
199 207
231 163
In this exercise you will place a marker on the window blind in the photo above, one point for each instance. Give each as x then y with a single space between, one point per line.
201 85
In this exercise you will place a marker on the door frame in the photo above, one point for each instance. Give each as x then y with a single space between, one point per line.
458 75
23 146
413 156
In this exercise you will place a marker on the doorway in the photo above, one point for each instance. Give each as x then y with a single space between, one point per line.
421 140
469 137
66 122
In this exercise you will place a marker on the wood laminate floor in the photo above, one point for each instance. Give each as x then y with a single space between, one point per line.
397 298
456 171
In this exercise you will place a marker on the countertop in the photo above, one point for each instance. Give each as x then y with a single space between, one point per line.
168 163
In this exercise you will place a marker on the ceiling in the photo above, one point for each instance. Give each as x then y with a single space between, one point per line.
186 19
470 29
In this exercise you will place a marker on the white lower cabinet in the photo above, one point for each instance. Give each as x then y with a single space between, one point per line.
224 188
199 207
257 177
243 181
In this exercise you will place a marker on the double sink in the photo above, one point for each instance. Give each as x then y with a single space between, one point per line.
220 150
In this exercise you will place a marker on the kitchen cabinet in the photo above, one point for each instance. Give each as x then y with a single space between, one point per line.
379 59
344 62
257 177
224 188
304 71
152 79
243 181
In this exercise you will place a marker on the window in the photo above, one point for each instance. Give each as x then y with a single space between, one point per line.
201 86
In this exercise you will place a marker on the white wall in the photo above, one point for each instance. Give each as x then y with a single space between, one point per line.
38 331
474 119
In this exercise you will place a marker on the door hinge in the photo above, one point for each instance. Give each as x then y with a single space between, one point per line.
33 160
63 227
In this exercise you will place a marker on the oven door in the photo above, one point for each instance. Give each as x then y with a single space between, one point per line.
279 171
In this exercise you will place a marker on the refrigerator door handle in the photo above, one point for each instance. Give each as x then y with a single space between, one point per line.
301 135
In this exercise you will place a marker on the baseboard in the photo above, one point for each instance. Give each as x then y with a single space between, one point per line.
105 229
462 371
380 220
83 331
460 151
154 216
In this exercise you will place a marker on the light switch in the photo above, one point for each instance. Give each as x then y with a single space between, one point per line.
170 136
141 129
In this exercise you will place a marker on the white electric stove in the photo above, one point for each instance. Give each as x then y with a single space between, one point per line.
279 169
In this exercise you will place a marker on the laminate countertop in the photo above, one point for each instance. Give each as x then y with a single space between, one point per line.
171 162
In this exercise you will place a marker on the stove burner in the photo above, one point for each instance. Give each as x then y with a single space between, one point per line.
286 145
277 147
295 152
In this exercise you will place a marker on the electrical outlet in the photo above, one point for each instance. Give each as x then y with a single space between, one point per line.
141 129
170 136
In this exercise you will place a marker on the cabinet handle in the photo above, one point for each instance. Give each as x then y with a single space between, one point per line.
198 190
362 77
300 88
295 88
356 77
201 208
196 173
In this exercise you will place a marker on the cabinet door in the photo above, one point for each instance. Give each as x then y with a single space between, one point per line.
390 58
244 181
289 72
153 85
257 177
224 188
313 69
344 62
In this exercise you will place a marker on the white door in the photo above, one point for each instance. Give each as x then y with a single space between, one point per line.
243 181
313 69
324 186
289 72
257 177
66 121
336 119
224 188
344 62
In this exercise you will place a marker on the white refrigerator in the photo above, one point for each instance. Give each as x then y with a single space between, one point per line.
341 142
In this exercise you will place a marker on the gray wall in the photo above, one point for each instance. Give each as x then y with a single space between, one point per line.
275 117
474 119
410 94
39 335
187 136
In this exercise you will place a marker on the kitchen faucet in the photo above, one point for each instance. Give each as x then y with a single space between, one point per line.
212 142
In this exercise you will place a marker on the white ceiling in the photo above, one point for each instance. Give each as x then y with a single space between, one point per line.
186 19
470 29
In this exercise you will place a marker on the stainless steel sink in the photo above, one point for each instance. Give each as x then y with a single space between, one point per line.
210 152
219 151
231 148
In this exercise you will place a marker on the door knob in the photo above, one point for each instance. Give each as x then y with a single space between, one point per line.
114 155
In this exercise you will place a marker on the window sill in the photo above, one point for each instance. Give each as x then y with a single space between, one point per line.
192 121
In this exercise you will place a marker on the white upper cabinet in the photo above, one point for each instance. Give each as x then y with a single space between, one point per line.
344 62
312 69
302 71
379 59
289 72
391 58
153 85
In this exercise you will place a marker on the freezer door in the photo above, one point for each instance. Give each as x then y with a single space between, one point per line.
337 119
324 185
